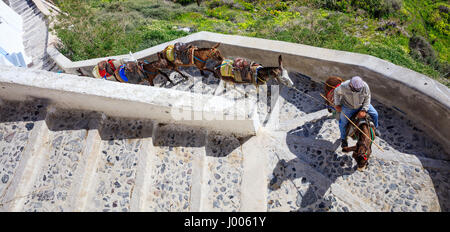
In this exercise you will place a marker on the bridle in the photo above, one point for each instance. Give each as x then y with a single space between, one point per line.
359 144
212 52
365 147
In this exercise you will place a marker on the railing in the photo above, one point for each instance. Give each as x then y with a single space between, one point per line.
420 98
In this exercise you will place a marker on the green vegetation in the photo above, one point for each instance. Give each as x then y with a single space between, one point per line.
410 33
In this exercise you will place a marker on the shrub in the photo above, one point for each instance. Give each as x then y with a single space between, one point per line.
219 3
185 2
421 49
375 8
438 18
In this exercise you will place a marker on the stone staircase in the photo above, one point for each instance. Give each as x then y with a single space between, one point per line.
35 36
59 160
54 160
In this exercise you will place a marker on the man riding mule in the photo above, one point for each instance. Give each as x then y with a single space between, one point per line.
350 97
242 71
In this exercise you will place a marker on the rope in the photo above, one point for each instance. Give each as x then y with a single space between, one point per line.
331 86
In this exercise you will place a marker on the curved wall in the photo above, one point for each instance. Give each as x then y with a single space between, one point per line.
418 97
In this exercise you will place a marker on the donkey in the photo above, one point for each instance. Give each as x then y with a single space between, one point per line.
130 72
199 58
259 75
330 84
363 148
105 69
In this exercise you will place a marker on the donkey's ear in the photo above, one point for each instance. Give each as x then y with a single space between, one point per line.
217 45
280 62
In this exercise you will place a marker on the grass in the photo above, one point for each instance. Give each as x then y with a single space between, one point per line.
98 28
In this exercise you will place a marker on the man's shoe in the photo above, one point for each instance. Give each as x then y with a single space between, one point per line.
344 143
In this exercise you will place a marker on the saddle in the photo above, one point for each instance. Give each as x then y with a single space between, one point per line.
351 130
180 53
103 73
123 76
240 69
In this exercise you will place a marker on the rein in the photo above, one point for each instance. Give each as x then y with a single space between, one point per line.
331 90
372 138
142 68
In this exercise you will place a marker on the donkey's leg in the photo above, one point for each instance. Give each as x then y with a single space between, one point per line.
150 80
166 76
184 76
349 149
213 72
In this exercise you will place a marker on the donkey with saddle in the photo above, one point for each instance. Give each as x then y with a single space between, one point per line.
121 70
242 71
183 55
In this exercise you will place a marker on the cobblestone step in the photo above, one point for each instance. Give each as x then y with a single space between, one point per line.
115 170
174 178
24 137
296 185
56 184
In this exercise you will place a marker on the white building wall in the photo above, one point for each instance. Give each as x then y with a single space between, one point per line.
12 51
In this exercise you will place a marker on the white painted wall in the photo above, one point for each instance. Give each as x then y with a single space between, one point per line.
130 101
11 40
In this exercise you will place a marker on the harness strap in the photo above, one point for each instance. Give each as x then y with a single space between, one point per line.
110 61
142 68
225 63
199 59
332 90
149 71
372 136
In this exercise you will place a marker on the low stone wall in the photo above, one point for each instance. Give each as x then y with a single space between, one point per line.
129 101
417 96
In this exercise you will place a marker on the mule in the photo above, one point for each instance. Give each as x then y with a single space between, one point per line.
330 84
363 148
258 75
152 69
130 72
199 58
105 69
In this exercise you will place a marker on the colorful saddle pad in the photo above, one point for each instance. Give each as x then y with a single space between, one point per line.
226 68
105 75
170 53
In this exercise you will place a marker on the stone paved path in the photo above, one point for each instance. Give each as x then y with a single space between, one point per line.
55 160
